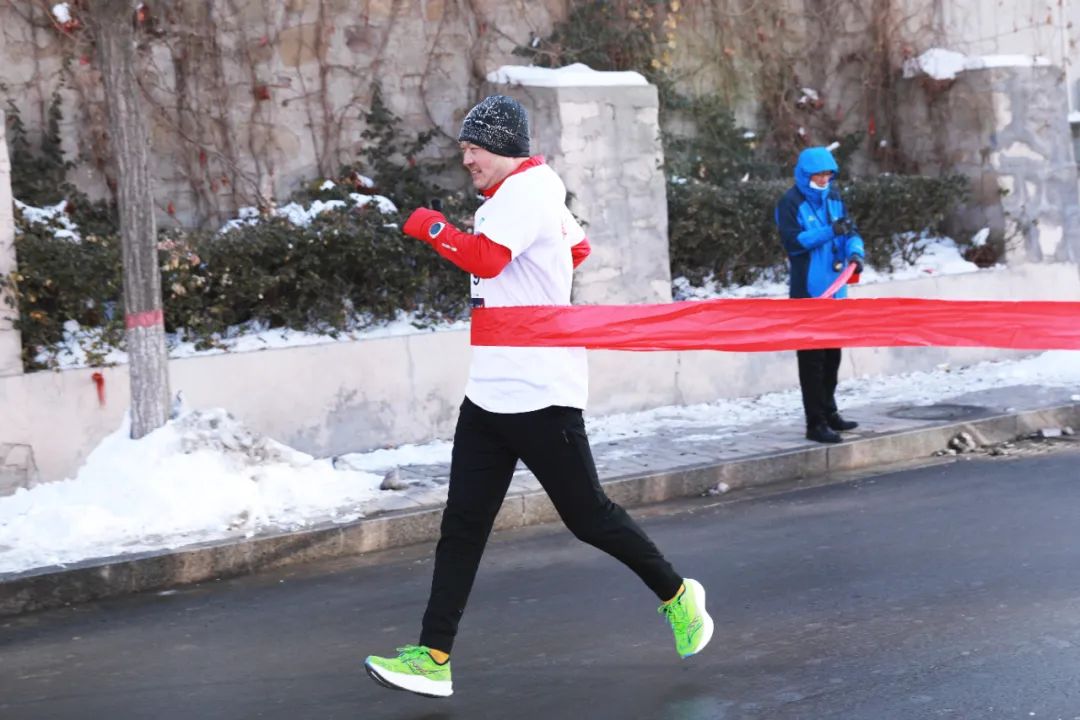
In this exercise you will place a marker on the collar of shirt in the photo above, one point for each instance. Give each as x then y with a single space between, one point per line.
532 162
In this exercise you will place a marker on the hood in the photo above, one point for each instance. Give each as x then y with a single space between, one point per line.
811 161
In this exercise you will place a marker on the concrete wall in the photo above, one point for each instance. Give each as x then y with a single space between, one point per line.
249 99
1018 27
321 399
1007 129
605 144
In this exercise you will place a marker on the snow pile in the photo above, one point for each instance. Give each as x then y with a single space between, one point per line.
576 75
202 476
53 216
936 256
943 64
772 284
80 347
301 215
379 461
62 13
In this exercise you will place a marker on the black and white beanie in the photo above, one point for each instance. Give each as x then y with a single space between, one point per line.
499 124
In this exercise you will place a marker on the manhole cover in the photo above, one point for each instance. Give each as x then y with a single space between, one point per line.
942 411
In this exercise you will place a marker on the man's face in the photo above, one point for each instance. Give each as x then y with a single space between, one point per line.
821 179
486 168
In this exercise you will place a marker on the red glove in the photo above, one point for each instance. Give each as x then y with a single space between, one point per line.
425 224
474 254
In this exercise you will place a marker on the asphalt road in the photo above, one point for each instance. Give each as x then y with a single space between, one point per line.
950 591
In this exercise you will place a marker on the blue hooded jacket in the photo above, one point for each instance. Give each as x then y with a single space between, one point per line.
805 217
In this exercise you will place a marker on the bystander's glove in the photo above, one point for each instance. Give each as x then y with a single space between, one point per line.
857 261
425 224
843 226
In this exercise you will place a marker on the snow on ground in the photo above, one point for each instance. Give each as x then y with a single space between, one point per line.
204 476
1057 368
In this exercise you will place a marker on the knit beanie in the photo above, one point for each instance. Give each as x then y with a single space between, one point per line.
499 124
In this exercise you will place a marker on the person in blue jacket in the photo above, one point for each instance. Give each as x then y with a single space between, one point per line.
820 240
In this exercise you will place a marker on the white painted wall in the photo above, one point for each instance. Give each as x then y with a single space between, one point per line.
347 396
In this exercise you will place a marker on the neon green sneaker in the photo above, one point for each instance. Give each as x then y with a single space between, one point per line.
692 626
412 670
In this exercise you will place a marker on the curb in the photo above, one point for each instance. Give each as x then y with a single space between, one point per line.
103 578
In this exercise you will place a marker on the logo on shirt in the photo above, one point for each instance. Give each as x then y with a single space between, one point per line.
435 229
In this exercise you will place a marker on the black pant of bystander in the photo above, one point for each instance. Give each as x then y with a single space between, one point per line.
818 371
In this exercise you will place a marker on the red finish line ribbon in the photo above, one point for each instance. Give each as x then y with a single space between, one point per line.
764 325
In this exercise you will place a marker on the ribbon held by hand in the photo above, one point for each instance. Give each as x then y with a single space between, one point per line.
840 281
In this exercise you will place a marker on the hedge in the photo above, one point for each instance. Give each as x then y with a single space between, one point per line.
727 232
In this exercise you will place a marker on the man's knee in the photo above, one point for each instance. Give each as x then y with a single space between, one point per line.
593 524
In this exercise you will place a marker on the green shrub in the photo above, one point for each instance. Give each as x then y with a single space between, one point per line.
889 209
60 280
349 268
728 232
724 231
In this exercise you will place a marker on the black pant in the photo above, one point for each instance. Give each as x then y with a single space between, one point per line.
553 445
818 370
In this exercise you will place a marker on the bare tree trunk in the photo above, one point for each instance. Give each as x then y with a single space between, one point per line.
145 337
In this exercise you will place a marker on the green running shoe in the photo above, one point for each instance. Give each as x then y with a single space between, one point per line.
412 670
692 626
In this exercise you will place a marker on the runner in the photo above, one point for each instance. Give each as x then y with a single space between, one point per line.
521 403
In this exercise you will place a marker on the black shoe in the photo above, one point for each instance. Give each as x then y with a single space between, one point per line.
838 423
822 434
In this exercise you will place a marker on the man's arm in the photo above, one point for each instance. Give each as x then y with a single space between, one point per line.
476 254
797 240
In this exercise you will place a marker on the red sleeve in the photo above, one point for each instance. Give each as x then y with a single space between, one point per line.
580 251
474 254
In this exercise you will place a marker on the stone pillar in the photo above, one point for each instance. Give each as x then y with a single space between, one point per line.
10 340
605 144
1007 129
